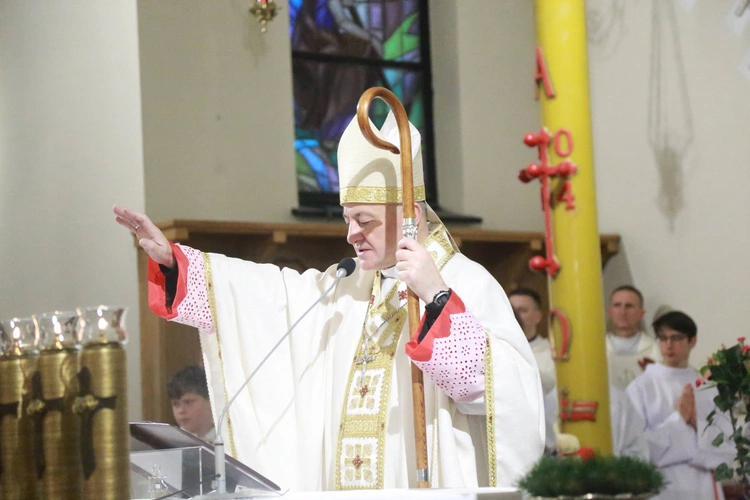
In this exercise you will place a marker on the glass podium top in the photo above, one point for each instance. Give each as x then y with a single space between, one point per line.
165 460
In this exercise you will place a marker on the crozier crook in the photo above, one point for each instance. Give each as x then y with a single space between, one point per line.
409 231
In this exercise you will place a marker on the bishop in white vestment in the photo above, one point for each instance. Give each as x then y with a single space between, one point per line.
332 408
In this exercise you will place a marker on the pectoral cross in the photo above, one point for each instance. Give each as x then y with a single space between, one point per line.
363 361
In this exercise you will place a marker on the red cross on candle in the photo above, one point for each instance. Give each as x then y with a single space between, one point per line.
544 171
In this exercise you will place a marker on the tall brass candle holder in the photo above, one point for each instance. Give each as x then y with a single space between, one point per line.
54 388
17 365
102 405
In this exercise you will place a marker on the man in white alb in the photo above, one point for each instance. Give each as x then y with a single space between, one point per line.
674 412
629 349
528 308
626 439
332 409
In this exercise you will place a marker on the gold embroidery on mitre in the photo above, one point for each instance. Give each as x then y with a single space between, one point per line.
355 194
360 452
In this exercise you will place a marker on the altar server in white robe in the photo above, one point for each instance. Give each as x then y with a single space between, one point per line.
627 439
629 348
676 430
332 409
527 305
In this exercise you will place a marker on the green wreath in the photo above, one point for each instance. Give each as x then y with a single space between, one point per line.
554 477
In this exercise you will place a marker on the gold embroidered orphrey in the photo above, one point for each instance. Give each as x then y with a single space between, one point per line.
360 451
207 269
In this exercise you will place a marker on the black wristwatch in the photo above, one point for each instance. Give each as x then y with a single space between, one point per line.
438 301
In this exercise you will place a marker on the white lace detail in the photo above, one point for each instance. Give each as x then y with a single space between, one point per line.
194 310
457 363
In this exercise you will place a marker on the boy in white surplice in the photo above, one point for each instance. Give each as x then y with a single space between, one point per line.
678 437
332 409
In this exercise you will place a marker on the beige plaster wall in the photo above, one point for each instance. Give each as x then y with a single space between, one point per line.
676 189
218 120
217 112
70 147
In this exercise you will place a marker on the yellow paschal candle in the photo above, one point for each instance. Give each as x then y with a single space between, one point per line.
577 288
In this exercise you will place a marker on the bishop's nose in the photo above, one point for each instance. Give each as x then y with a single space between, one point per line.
354 235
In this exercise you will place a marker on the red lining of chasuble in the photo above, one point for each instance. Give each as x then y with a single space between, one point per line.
441 328
157 285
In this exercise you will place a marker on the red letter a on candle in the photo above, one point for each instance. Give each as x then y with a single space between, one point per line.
540 74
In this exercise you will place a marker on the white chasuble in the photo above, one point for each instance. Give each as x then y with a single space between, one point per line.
309 420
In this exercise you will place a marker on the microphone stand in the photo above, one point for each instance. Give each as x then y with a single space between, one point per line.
344 269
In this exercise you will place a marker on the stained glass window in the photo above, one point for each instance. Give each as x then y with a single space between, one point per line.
340 48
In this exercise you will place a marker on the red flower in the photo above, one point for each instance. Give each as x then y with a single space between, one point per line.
740 339
585 453
744 349
703 379
711 361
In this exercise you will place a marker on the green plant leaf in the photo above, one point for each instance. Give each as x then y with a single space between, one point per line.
718 440
710 417
723 471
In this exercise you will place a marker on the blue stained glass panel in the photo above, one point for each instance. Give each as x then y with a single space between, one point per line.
340 48
386 30
325 103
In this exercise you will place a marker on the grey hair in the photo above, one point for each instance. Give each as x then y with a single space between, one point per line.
423 207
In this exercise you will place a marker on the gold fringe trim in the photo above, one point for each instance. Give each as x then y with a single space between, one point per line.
212 305
489 399
377 194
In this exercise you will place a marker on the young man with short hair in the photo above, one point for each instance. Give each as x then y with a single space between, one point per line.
676 430
629 349
527 305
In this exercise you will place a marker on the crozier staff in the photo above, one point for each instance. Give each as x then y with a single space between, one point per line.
409 230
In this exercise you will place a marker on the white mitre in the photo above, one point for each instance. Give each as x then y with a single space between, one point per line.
372 175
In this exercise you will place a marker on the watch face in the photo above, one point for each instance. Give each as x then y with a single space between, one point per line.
441 299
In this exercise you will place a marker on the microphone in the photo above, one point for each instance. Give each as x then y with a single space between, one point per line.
345 268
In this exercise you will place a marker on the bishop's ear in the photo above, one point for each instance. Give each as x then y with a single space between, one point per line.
418 212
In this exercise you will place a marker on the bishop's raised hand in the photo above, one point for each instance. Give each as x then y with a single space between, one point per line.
150 237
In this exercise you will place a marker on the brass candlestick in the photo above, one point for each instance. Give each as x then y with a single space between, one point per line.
54 388
17 364
102 405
